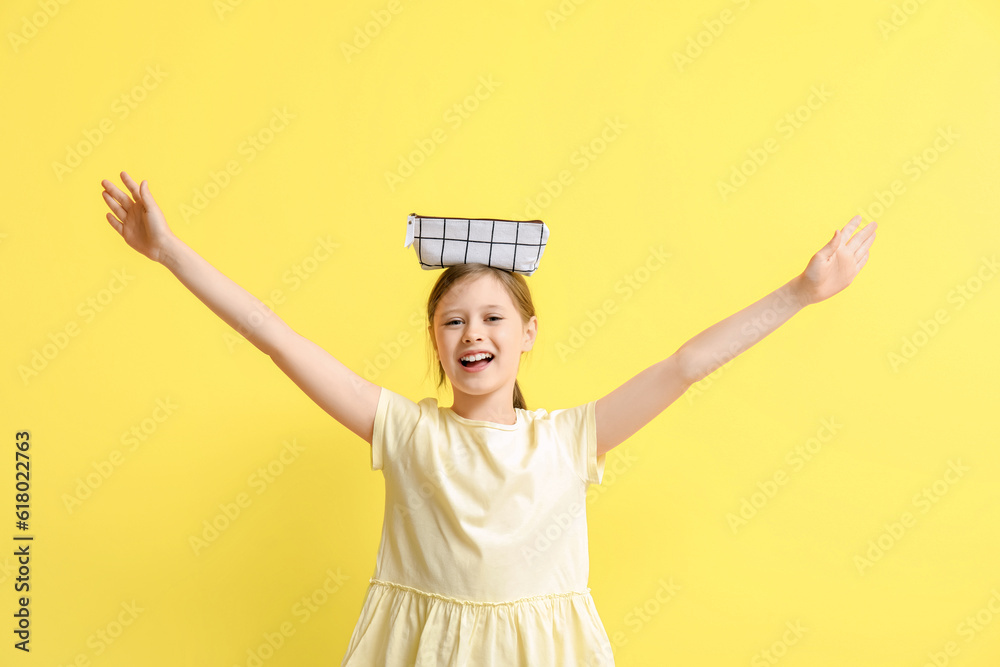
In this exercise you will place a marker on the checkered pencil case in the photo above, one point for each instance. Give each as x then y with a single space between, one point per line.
511 245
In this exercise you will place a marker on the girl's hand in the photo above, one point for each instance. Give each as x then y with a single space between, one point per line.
833 268
139 221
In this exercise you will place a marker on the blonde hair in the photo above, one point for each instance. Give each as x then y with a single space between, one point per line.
515 285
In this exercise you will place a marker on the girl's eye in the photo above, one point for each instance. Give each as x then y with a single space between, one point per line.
491 317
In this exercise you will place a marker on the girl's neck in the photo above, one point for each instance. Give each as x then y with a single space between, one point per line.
495 407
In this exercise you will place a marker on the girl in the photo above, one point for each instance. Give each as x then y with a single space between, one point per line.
483 559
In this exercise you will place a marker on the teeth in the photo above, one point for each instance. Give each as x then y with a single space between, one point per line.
477 357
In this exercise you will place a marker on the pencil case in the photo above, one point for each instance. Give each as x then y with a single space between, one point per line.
511 245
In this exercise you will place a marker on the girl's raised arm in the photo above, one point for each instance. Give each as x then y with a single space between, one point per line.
347 397
632 405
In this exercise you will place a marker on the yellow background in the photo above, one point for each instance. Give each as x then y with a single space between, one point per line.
898 76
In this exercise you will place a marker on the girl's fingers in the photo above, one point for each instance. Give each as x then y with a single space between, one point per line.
114 206
863 248
827 251
867 236
146 196
850 227
114 223
132 187
862 237
119 196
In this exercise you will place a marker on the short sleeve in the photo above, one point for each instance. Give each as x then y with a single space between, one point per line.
395 419
576 429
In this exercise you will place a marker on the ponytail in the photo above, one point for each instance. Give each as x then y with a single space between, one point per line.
518 398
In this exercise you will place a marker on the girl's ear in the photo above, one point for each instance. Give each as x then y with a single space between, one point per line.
530 332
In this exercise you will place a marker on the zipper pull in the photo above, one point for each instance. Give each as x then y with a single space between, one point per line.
411 221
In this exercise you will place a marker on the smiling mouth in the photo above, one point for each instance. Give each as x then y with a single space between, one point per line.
477 365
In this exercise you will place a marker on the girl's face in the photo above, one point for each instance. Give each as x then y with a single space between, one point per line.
478 314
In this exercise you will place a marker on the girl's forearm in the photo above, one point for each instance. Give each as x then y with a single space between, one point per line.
241 310
724 340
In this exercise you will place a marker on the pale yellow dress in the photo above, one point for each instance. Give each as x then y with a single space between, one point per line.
484 557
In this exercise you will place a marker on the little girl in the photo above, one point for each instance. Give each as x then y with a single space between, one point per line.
483 560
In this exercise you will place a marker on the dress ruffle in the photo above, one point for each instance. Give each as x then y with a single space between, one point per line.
402 626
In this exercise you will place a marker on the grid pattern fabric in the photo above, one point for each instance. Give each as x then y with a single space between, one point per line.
511 245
